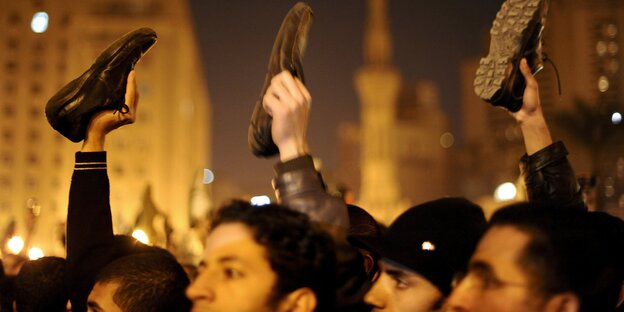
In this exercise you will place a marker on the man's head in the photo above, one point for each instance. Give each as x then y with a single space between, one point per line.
146 281
539 258
40 285
265 258
421 253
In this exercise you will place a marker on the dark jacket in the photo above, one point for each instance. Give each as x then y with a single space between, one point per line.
549 177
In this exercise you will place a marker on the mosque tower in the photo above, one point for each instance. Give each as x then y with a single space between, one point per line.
378 84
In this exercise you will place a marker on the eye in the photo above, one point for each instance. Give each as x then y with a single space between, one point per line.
231 273
486 279
400 283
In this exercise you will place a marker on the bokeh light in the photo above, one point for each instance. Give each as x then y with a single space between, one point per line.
141 236
39 23
35 253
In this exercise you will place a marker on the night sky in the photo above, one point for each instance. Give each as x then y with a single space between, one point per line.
430 40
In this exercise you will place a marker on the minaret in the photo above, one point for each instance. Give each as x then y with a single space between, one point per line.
377 84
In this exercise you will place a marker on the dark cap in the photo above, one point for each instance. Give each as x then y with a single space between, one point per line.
435 239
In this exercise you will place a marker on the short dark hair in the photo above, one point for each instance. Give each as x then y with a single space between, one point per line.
148 281
567 252
300 253
40 285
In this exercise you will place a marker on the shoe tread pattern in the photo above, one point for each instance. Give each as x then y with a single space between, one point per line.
508 30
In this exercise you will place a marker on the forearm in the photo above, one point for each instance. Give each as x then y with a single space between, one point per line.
535 132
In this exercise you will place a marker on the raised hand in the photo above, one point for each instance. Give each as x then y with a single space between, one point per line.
288 101
106 121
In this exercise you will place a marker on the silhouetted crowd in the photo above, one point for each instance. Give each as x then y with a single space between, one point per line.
311 251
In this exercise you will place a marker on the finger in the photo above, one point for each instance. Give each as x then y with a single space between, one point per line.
269 101
526 72
303 90
288 81
278 89
131 88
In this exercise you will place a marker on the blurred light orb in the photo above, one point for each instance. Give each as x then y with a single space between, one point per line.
505 191
260 200
616 118
603 84
39 23
15 245
427 245
447 140
35 253
141 236
208 176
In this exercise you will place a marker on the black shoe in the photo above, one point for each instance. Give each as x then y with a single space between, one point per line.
515 34
287 54
101 87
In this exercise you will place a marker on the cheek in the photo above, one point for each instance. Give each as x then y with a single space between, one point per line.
416 299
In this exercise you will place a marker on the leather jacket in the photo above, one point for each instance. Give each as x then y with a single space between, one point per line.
549 177
299 186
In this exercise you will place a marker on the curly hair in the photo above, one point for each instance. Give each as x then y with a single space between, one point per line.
300 254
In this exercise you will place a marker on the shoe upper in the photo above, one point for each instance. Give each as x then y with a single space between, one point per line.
101 87
287 54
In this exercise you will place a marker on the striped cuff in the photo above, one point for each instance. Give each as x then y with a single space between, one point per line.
90 161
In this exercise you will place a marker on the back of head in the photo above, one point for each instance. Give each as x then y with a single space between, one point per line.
301 254
148 281
6 290
362 223
40 285
569 251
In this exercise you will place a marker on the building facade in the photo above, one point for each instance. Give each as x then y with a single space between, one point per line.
164 149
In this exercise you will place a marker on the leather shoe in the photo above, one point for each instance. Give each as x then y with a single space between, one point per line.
101 87
287 54
515 34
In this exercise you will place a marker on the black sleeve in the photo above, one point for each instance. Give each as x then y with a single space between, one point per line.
549 177
299 186
89 226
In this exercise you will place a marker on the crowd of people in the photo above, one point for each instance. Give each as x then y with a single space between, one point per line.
311 251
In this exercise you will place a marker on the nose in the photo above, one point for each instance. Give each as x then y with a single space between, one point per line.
377 295
462 298
200 289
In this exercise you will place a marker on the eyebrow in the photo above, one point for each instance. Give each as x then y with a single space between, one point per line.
224 259
94 305
396 273
480 265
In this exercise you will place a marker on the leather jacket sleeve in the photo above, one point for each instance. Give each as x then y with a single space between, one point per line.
299 186
549 177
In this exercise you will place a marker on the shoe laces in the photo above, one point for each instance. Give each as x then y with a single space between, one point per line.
122 108
545 58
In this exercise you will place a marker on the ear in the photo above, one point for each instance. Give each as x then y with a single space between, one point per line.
564 302
369 262
300 300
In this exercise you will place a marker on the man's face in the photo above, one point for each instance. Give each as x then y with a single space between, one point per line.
495 280
400 290
234 275
101 298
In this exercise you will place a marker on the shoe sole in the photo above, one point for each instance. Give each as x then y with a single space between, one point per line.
96 70
514 22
